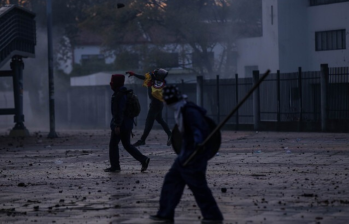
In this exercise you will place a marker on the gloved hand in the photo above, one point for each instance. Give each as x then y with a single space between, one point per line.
130 73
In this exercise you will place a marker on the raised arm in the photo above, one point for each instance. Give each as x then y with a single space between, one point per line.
130 73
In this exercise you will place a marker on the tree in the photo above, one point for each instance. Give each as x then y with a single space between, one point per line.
197 25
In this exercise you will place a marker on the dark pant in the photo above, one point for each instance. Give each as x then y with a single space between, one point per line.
154 114
194 176
124 136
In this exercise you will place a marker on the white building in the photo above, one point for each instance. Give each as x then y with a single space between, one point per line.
297 33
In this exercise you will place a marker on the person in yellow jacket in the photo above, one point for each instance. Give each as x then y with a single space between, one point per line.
155 82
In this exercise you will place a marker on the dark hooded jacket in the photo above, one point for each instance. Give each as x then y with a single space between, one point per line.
196 130
118 104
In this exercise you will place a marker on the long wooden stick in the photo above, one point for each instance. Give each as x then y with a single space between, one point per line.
227 118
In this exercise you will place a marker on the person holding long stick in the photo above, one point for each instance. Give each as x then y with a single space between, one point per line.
194 128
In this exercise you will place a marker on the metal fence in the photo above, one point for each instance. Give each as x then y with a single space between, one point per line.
338 93
288 101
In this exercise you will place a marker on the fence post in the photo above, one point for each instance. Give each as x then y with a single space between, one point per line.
166 115
217 95
237 100
300 93
278 109
323 94
256 102
182 85
17 67
52 133
69 110
199 90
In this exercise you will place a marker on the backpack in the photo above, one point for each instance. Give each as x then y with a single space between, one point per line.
133 107
213 144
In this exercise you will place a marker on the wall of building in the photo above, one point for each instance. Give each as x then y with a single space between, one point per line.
293 40
288 40
323 18
262 52
249 55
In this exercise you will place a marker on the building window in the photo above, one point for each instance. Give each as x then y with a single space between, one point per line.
323 2
93 57
91 63
330 40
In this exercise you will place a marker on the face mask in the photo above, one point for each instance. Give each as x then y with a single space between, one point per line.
158 84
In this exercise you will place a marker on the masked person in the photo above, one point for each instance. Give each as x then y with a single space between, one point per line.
155 82
194 129
121 126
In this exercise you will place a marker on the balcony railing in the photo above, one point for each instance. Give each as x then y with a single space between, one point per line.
324 2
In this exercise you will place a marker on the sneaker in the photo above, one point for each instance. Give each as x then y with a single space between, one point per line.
161 219
145 165
212 221
112 170
169 140
139 143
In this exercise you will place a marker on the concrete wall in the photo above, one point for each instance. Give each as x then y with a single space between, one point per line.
324 18
293 40
262 52
289 41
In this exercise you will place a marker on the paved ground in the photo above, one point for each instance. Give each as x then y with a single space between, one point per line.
269 177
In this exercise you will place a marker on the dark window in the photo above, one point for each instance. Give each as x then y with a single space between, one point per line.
323 2
330 40
167 60
92 57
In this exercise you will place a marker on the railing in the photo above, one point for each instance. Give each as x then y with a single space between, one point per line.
324 2
17 33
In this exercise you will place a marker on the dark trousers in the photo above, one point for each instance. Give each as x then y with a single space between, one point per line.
193 175
154 114
114 157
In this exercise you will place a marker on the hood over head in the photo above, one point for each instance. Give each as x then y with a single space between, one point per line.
116 81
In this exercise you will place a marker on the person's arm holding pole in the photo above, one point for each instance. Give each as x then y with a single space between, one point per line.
227 118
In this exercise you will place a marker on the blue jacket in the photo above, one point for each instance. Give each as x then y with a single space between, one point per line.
196 130
118 104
